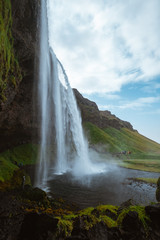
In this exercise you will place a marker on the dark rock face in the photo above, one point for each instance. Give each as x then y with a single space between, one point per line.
24 30
131 224
158 190
16 118
97 232
154 212
102 119
38 227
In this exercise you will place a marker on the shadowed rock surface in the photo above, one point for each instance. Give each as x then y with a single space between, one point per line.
45 219
16 118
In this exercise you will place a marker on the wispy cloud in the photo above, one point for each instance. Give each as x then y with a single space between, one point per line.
104 44
140 103
137 104
151 87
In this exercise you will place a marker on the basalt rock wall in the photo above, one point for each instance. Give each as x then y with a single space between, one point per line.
17 122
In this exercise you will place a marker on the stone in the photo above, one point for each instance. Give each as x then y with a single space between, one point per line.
38 227
99 231
131 222
158 194
154 213
34 194
158 183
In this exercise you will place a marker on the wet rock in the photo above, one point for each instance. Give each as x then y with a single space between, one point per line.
153 211
38 227
124 205
111 214
114 234
158 190
158 183
97 232
158 194
34 194
79 231
131 221
95 212
132 227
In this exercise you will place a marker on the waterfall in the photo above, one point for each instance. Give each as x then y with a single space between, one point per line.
63 146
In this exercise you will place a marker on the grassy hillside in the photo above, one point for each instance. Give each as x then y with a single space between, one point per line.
145 153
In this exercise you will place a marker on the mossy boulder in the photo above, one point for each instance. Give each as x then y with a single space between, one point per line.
34 194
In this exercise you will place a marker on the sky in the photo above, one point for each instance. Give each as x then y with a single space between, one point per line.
110 50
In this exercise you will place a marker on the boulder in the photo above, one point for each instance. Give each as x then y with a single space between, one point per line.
158 183
98 231
38 227
34 194
132 227
153 211
158 194
158 190
131 222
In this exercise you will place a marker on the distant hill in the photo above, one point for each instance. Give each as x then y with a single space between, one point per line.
102 119
112 134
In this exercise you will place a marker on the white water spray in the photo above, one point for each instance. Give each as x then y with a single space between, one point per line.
63 146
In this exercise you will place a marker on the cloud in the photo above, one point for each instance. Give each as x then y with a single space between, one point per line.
151 87
104 44
138 104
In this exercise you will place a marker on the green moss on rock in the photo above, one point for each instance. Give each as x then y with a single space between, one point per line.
65 227
10 73
14 158
141 215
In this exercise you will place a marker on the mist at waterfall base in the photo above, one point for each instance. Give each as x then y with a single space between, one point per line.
63 147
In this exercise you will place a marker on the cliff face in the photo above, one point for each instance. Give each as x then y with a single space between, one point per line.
16 125
102 119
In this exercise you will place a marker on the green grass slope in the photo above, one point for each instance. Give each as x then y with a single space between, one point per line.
123 140
145 153
10 159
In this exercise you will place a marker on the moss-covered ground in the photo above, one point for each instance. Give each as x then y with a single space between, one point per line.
11 160
147 180
90 216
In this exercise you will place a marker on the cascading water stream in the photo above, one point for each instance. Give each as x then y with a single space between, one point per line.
63 146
